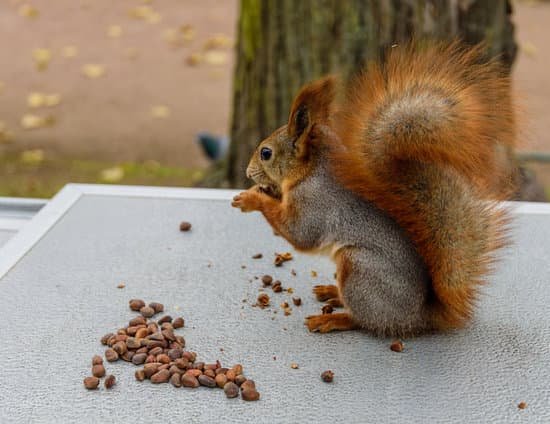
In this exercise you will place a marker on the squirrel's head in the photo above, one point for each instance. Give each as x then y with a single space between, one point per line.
288 153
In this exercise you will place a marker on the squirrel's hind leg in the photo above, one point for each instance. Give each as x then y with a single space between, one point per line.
383 297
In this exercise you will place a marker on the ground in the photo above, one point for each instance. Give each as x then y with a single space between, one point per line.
167 72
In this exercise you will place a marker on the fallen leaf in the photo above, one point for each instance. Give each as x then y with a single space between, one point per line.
32 157
160 111
32 122
216 58
41 58
194 59
140 12
69 51
218 41
114 31
112 175
52 99
93 71
145 13
28 11
529 49
6 136
187 32
173 37
35 100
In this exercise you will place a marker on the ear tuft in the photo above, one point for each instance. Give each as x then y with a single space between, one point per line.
312 105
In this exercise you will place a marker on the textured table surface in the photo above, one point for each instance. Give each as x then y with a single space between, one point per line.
5 235
62 296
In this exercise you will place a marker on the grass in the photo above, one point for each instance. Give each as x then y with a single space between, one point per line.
30 174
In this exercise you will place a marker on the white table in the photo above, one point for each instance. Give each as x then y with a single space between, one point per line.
58 296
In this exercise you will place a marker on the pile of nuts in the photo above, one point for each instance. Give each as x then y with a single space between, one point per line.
160 351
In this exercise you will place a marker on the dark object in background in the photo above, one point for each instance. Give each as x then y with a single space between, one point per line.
214 147
529 188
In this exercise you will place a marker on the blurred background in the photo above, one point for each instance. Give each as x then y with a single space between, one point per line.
151 91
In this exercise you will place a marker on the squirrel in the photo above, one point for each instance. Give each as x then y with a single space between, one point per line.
397 177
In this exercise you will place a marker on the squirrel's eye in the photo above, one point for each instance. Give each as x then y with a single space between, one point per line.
265 153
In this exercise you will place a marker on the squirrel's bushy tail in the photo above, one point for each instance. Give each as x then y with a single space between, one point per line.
426 137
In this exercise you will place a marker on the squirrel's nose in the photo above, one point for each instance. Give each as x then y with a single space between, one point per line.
248 172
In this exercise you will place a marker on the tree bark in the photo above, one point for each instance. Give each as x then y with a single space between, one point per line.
282 44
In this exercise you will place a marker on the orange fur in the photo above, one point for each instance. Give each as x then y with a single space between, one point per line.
399 155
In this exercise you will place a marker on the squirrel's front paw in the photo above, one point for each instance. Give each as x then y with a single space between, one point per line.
248 201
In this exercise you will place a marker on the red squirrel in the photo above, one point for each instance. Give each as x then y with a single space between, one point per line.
397 179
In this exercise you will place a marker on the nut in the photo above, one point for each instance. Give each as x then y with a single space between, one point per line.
139 320
248 384
110 381
221 380
150 369
165 318
194 372
277 287
257 256
111 355
140 375
175 380
230 374
294 365
204 380
147 311
133 343
267 280
161 376
263 300
297 301
327 309
282 257
120 348
397 346
238 368
522 405
163 358
158 307
136 304
105 338
178 322
187 380
185 226
240 379
139 358
250 395
141 333
327 376
231 390
98 370
91 383
97 360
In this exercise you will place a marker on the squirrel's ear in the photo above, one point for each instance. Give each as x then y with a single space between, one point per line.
312 105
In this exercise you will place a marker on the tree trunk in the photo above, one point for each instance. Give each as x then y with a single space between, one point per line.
282 44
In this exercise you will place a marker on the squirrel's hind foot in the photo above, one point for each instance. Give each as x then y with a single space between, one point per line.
330 322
